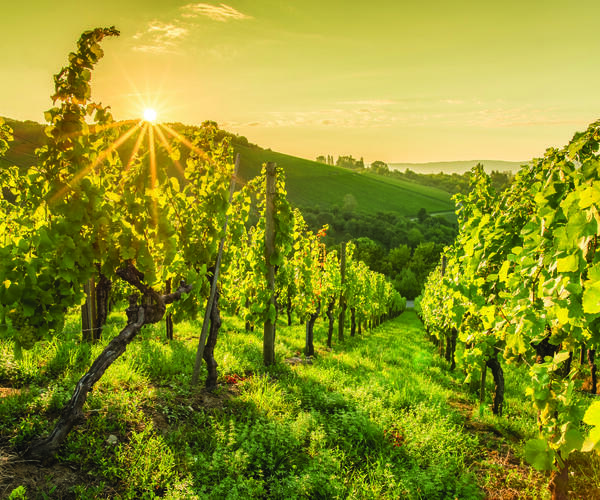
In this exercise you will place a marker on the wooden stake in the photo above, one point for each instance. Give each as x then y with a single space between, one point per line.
342 298
213 286
269 326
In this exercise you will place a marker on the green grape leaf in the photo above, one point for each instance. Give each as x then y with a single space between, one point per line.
539 454
567 264
592 442
561 357
67 260
589 197
271 313
504 271
591 297
592 415
12 294
276 259
572 440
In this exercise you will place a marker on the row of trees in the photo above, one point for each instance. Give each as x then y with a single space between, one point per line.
521 285
343 161
82 219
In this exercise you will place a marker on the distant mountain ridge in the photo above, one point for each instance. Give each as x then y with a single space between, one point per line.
458 167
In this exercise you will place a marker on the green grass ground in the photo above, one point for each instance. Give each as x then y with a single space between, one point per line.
379 416
311 184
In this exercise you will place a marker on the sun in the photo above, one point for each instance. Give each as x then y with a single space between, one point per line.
150 115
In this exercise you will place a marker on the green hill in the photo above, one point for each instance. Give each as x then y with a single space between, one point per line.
28 136
309 184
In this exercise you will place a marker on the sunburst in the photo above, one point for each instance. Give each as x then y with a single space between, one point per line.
145 130
150 115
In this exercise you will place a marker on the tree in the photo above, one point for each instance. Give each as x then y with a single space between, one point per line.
398 258
415 236
406 283
425 258
380 168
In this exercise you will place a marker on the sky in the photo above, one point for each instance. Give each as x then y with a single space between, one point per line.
393 80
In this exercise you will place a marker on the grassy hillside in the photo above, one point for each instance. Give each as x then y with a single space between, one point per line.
310 183
28 136
458 167
379 417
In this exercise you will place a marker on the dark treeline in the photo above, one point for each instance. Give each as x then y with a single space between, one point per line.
404 249
452 183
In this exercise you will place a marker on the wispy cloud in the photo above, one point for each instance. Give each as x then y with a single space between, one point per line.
370 102
369 114
159 37
221 12
334 117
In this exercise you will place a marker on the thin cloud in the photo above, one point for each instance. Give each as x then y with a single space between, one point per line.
221 12
370 102
488 116
159 38
339 118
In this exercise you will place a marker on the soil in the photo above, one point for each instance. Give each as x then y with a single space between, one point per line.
500 473
51 480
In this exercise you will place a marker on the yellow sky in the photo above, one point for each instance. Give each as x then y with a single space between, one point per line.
400 81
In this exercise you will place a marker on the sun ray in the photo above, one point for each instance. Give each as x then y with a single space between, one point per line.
187 143
169 148
82 173
96 128
183 140
136 147
152 172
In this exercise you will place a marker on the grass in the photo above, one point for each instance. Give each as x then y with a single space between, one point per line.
379 416
310 184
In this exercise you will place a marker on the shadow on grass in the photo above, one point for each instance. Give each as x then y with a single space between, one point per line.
299 432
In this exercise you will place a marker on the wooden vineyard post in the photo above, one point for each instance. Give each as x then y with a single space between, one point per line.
169 316
342 298
269 326
213 286
88 312
482 383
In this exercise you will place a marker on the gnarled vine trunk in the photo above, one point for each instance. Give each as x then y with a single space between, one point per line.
103 288
498 374
169 316
288 310
559 479
451 347
151 310
330 317
309 348
591 354
211 342
559 483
